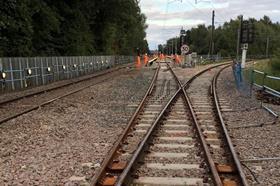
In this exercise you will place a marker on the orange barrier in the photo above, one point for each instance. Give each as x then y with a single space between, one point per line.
138 62
161 57
177 59
146 59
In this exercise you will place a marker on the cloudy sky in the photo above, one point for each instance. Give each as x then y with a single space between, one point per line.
166 17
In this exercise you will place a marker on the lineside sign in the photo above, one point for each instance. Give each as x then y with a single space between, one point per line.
185 49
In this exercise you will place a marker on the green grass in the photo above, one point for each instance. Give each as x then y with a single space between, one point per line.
264 66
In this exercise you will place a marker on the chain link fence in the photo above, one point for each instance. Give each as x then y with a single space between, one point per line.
23 72
243 83
249 80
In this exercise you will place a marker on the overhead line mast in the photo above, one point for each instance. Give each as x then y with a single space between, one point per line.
212 34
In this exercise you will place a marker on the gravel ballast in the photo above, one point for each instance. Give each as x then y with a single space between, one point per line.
6 96
251 141
66 141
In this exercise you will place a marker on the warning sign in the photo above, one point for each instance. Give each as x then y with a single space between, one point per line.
185 49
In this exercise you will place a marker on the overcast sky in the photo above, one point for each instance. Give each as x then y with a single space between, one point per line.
165 18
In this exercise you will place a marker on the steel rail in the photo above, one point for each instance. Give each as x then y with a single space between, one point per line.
72 81
59 97
201 72
113 151
228 139
141 146
202 139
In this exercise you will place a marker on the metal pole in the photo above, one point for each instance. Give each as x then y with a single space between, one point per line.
42 71
12 74
244 53
176 45
172 46
212 34
237 45
263 88
36 70
57 69
238 39
20 73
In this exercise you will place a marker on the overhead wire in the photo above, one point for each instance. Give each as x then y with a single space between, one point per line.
206 15
193 6
217 16
166 13
217 13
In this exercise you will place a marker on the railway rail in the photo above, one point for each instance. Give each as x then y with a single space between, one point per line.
237 171
208 109
253 132
19 105
168 141
175 149
162 87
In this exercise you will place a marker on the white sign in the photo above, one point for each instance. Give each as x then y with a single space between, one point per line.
185 49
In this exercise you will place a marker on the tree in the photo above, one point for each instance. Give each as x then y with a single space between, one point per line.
225 38
70 27
16 28
199 39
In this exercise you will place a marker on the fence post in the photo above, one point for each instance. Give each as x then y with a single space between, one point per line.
12 73
42 72
36 70
20 73
263 88
57 69
252 74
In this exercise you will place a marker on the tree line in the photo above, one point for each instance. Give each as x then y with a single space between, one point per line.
266 42
71 27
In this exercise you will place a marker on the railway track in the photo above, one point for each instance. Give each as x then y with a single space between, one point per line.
208 110
17 106
162 87
176 147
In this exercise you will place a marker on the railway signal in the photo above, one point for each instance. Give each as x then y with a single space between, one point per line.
183 39
246 36
247 32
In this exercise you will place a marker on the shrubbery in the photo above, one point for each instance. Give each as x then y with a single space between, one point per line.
275 61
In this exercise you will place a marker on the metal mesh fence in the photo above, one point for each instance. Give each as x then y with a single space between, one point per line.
23 72
250 81
243 83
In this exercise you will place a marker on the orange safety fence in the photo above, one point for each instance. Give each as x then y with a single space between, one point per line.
177 59
138 62
146 59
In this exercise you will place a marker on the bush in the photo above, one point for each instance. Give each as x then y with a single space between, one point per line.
275 61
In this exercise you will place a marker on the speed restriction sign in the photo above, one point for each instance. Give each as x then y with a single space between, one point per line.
185 49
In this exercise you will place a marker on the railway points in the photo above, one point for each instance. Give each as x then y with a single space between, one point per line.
159 125
139 93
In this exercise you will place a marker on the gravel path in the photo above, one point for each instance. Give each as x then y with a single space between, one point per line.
251 141
66 141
